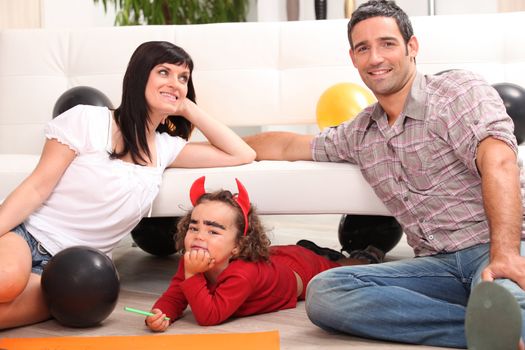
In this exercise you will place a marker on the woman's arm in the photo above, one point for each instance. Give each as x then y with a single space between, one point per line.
225 148
36 188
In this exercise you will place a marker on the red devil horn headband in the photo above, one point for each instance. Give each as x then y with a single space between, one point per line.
197 191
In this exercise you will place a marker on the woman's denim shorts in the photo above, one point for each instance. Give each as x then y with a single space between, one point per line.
40 256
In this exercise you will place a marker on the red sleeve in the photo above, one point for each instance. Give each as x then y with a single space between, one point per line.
173 302
212 308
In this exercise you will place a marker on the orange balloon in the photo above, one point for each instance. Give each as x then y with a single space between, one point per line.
342 102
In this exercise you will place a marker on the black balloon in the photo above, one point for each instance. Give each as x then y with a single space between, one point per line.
356 232
155 235
513 97
81 286
80 95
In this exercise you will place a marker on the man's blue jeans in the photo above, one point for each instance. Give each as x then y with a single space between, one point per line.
419 301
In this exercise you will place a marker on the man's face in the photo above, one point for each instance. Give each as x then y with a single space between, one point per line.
384 62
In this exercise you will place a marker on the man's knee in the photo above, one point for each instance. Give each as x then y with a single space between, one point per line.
319 284
321 297
315 305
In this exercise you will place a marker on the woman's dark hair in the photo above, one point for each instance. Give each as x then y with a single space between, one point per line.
254 246
132 115
381 8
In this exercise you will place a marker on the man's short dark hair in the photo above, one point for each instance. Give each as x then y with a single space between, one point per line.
381 8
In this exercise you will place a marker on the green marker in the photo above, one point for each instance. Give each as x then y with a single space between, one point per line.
141 312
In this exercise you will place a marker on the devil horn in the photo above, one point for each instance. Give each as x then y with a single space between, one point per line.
242 198
197 190
244 202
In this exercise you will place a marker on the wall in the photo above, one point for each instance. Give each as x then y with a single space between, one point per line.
85 13
19 14
275 10
75 13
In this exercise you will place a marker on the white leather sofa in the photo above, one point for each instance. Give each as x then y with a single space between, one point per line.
246 74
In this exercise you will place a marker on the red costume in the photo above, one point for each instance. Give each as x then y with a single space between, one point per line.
244 288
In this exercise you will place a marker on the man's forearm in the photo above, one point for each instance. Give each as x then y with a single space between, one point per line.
280 145
502 199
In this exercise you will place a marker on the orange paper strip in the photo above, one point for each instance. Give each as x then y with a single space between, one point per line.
232 341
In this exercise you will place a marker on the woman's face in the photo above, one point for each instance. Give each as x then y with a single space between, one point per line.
212 228
167 85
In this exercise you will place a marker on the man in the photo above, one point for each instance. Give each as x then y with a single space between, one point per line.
439 151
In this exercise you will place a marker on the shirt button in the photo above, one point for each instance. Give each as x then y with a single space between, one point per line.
431 237
399 179
405 198
421 220
476 122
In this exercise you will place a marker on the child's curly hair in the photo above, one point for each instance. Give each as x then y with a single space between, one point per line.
254 246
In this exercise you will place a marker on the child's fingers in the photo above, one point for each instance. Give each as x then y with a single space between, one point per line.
195 255
204 256
158 321
157 315
159 327
198 256
206 261
198 260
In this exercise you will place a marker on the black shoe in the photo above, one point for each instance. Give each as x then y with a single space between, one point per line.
328 253
372 254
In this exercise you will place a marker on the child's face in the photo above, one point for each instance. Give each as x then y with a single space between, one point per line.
212 228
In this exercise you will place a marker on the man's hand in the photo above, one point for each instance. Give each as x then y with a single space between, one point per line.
509 266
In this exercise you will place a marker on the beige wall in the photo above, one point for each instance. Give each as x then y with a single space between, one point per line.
50 13
19 14
511 5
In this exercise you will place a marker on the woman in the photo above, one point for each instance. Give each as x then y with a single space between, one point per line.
100 171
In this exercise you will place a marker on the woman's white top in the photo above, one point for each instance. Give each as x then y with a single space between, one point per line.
98 200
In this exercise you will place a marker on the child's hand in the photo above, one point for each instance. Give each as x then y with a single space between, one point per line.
157 322
197 261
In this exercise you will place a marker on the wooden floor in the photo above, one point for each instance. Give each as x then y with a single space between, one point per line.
144 277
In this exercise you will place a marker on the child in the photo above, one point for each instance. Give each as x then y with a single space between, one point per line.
229 268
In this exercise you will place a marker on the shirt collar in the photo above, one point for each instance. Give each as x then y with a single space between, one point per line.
414 105
416 99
